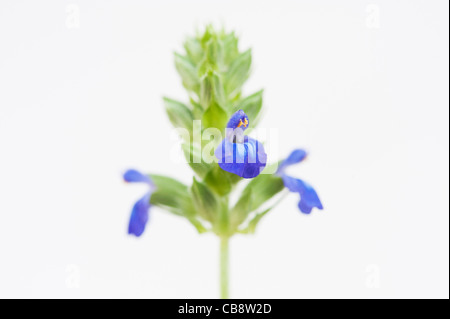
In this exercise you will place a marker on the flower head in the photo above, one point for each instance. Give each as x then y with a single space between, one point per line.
139 214
238 153
308 196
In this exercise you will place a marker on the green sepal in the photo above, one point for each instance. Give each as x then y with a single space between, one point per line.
179 114
218 180
172 194
206 92
214 54
242 208
191 152
234 179
230 48
198 225
251 226
260 189
218 90
205 202
197 109
188 73
211 90
254 221
194 50
215 117
238 73
207 35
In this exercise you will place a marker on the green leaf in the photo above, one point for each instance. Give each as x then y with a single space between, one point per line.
214 54
218 89
253 196
197 111
251 105
263 188
205 202
242 209
238 73
179 114
207 35
251 227
234 179
170 193
174 196
206 92
194 50
230 48
198 225
188 73
191 152
218 180
215 116
212 90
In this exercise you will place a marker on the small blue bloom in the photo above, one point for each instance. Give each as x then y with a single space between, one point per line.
308 196
238 153
139 214
238 120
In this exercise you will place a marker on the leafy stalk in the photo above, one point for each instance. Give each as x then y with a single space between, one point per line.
213 71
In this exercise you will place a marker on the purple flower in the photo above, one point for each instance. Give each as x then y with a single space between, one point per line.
139 214
308 196
238 153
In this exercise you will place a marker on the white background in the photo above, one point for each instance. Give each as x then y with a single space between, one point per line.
368 99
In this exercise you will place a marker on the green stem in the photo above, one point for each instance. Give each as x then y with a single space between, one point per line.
224 267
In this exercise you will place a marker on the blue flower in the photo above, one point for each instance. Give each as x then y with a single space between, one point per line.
139 214
308 196
238 153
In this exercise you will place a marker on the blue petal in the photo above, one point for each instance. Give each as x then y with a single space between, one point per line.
246 159
237 118
308 196
139 216
295 157
133 175
257 158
